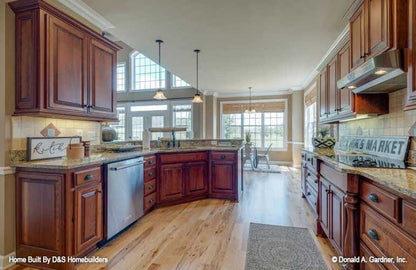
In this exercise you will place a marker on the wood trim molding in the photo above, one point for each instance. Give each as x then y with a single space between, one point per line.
6 171
88 13
4 260
351 10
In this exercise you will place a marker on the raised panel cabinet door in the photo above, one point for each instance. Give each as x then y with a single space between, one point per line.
102 91
171 182
323 96
411 75
222 177
358 36
324 205
88 217
66 67
345 95
332 86
378 26
337 217
197 178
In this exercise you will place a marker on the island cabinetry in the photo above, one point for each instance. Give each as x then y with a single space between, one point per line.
150 176
224 182
309 181
63 68
58 212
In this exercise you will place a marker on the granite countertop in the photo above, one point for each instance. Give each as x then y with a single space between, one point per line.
100 158
400 180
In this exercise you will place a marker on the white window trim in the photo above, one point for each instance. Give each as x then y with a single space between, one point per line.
178 87
285 135
125 77
133 78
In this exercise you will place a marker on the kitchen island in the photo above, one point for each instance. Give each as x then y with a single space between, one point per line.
61 203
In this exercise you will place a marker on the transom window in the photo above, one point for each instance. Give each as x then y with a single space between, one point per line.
182 117
266 126
178 82
120 127
147 74
121 77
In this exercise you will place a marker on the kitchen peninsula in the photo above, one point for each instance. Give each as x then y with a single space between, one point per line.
69 193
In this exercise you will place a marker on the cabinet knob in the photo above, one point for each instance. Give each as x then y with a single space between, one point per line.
316 181
150 187
150 173
309 174
326 190
373 234
151 161
151 200
309 159
373 197
89 177
308 194
222 156
362 56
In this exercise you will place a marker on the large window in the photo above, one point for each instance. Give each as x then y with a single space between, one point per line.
266 126
146 74
136 117
310 124
178 82
121 77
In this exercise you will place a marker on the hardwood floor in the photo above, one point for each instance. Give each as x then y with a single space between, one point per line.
211 233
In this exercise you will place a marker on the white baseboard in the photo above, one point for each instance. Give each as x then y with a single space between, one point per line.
4 260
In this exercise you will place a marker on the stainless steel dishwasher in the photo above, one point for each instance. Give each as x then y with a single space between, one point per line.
124 195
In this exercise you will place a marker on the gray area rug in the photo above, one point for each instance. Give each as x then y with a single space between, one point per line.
263 168
282 248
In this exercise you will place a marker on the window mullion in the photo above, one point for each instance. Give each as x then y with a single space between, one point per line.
262 130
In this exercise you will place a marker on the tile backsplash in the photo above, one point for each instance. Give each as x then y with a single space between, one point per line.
396 123
25 126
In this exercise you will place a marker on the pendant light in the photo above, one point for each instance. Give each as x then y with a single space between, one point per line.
197 97
249 110
159 93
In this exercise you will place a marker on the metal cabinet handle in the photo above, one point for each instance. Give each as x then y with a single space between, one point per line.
150 187
308 194
373 234
222 156
326 190
151 161
316 181
89 177
373 197
150 173
151 201
309 174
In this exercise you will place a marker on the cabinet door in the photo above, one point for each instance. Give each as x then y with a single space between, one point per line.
345 95
303 179
337 217
222 177
324 205
332 86
67 67
323 95
171 182
102 90
378 26
411 75
358 36
88 217
196 178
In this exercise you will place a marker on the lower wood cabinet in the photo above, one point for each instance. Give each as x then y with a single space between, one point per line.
196 182
58 213
222 175
171 182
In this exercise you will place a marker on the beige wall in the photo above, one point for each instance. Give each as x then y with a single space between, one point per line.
128 96
297 126
210 117
279 156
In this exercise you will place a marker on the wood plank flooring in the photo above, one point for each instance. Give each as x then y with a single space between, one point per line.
211 233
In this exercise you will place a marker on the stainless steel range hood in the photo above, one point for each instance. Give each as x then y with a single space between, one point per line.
383 73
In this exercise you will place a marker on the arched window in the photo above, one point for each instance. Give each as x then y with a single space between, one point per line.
146 74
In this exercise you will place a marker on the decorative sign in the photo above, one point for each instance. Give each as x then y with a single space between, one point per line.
46 148
392 147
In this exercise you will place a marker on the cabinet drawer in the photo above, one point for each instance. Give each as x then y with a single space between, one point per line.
149 187
183 157
336 178
149 201
409 218
87 176
311 196
312 180
383 201
384 238
226 156
149 161
149 174
366 253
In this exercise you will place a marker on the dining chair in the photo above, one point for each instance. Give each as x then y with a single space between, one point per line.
264 156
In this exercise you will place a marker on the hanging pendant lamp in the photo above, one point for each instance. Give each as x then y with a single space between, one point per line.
197 97
159 93
249 110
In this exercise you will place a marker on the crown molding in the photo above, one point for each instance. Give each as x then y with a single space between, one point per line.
85 11
341 40
351 10
256 93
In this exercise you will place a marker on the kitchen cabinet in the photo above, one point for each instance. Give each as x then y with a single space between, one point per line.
171 182
324 205
224 175
337 217
63 68
332 90
378 26
58 212
150 182
196 178
346 97
411 74
323 96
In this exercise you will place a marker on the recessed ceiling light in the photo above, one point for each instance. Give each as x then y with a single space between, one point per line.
380 72
352 87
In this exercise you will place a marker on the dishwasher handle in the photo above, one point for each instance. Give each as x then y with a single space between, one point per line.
126 166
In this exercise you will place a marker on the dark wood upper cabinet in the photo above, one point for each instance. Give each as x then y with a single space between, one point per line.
378 26
332 90
323 96
411 75
63 68
346 97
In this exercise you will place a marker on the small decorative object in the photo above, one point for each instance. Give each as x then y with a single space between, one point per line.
75 151
146 139
50 131
248 137
323 140
86 148
39 148
108 134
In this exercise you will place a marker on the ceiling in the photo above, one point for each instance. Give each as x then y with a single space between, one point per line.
271 45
